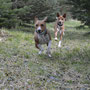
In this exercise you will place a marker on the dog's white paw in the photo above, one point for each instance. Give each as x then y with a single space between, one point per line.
49 55
0 39
59 46
56 39
40 52
63 33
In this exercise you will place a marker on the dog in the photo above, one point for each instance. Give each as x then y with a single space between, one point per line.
59 26
42 35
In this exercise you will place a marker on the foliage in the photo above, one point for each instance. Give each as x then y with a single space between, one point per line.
16 12
81 10
7 16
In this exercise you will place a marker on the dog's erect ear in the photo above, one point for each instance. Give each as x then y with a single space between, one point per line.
36 19
64 15
45 19
58 14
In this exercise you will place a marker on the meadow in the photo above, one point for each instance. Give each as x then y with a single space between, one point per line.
21 68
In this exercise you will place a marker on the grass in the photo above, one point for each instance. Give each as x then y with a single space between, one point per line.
22 68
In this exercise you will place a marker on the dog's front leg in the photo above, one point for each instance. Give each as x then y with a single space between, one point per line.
49 48
40 49
61 35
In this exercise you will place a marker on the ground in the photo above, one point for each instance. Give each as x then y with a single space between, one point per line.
21 68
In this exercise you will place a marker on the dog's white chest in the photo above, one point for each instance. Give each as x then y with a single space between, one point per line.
43 39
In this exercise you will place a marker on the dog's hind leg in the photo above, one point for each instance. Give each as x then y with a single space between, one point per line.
59 45
63 33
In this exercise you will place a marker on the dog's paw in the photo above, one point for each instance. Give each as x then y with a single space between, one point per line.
63 33
56 39
59 46
49 55
0 39
40 52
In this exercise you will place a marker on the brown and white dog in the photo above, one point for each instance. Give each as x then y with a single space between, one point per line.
42 35
59 26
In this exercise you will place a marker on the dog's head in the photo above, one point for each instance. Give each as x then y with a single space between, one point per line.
40 25
60 19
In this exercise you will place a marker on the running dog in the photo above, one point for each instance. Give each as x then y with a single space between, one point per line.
59 26
42 35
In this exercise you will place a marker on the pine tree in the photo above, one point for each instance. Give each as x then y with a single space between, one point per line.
81 10
7 16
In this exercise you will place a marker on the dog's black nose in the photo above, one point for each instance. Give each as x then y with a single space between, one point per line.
39 31
59 23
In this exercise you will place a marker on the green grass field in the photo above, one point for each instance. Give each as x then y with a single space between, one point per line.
21 68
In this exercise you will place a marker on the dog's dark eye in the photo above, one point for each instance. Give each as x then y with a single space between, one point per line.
42 25
36 25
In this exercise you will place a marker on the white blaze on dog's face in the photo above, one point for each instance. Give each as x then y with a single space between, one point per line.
61 19
40 25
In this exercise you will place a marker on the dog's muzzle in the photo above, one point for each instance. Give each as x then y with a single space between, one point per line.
60 24
39 31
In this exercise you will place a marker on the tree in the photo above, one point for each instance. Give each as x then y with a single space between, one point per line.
13 12
7 16
81 10
28 9
17 12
